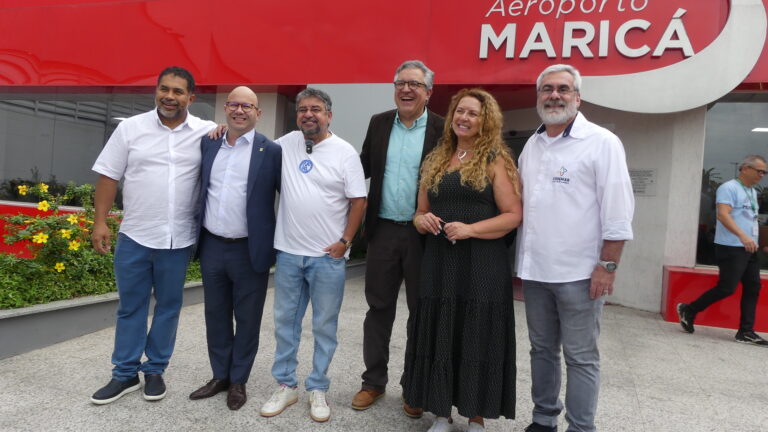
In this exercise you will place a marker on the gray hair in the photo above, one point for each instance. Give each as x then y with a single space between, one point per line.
561 68
316 93
751 159
429 76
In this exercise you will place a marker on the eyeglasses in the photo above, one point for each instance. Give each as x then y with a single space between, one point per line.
562 90
246 107
759 171
414 85
313 109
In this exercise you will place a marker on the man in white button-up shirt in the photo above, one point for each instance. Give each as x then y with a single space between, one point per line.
158 156
577 214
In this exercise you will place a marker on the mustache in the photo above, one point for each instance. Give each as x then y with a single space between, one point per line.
555 103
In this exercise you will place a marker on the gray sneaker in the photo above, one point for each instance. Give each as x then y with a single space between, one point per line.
686 317
750 337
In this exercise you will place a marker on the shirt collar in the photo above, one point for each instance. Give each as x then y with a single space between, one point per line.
246 139
569 131
419 121
185 123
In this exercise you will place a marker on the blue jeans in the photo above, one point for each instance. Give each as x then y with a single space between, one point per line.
299 280
562 314
137 270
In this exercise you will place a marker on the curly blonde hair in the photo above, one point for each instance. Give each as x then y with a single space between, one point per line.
488 146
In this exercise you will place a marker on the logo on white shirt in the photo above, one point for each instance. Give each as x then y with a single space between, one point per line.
305 166
560 177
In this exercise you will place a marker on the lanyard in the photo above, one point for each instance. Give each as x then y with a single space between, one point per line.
751 195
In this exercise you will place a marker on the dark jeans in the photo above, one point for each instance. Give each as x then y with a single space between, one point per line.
232 290
394 254
735 264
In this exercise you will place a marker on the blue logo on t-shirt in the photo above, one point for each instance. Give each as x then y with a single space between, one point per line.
305 166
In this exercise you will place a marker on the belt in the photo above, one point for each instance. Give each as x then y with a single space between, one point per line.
401 223
226 239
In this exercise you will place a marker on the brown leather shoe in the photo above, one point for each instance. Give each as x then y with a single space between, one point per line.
365 398
236 396
214 386
412 412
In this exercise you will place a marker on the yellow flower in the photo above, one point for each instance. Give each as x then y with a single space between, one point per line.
23 189
43 187
43 205
65 233
74 245
72 219
59 267
40 237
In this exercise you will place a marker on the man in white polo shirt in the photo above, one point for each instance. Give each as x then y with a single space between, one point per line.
158 156
322 201
578 206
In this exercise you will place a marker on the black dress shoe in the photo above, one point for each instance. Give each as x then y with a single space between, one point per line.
214 386
236 396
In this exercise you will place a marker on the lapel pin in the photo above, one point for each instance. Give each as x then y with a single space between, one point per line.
261 148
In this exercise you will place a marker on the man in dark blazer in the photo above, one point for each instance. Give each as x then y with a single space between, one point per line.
240 176
395 146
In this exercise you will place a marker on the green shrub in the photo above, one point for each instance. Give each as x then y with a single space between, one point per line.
64 264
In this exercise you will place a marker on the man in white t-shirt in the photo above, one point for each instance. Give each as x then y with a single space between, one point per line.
158 156
322 201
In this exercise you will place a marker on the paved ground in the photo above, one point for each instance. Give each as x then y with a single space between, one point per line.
655 378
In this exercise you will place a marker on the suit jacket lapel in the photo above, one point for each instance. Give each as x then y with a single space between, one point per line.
383 136
209 155
257 157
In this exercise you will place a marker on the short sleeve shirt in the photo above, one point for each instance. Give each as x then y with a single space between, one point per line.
315 193
743 201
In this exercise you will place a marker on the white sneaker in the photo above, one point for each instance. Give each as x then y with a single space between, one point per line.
281 399
475 427
441 424
318 407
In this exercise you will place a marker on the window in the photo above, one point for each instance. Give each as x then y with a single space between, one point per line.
56 138
729 138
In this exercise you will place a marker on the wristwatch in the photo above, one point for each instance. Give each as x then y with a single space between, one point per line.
345 242
609 266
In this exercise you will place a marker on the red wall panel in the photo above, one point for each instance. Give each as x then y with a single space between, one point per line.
91 42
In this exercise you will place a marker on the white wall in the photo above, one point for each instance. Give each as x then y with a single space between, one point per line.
353 106
665 225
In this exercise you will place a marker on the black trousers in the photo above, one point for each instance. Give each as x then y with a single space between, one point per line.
232 289
736 265
394 255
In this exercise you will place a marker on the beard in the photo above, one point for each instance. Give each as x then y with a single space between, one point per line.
310 130
557 117
169 114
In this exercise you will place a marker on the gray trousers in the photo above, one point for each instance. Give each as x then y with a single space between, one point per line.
562 314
